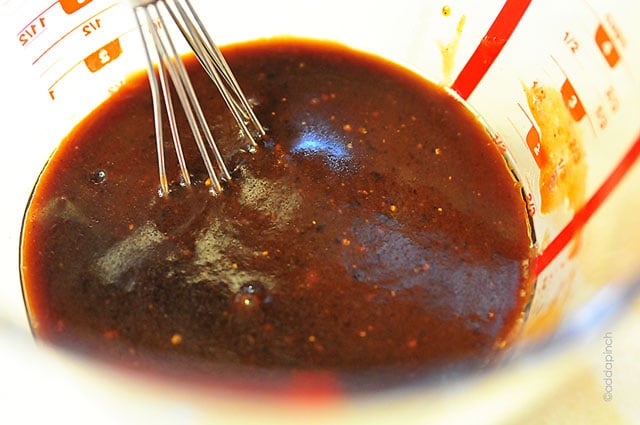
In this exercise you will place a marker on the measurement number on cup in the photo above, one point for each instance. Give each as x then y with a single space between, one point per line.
33 30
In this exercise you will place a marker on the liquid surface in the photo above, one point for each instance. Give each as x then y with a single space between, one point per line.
376 228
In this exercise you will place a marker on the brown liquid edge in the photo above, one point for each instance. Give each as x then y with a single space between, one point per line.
33 306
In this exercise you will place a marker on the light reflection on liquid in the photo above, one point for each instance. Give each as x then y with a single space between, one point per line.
325 143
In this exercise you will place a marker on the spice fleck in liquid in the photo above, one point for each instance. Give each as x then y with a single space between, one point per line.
376 228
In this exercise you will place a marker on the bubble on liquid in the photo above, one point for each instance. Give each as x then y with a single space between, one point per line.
247 305
250 296
98 177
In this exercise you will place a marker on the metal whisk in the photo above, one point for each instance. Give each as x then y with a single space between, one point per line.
160 49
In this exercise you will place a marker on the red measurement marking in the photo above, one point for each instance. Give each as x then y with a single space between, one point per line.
72 67
490 47
615 30
70 6
35 19
572 101
72 30
590 207
34 30
106 54
92 27
606 46
531 205
571 42
533 141
532 137
500 143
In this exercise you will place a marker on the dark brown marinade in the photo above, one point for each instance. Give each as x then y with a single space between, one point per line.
377 227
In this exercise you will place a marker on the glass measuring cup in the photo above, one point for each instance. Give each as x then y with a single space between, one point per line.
79 62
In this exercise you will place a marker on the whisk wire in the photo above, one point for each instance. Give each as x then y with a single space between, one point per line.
157 113
191 105
173 126
160 49
216 67
164 53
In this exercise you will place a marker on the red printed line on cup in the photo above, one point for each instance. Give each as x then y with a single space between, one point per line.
590 207
490 47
